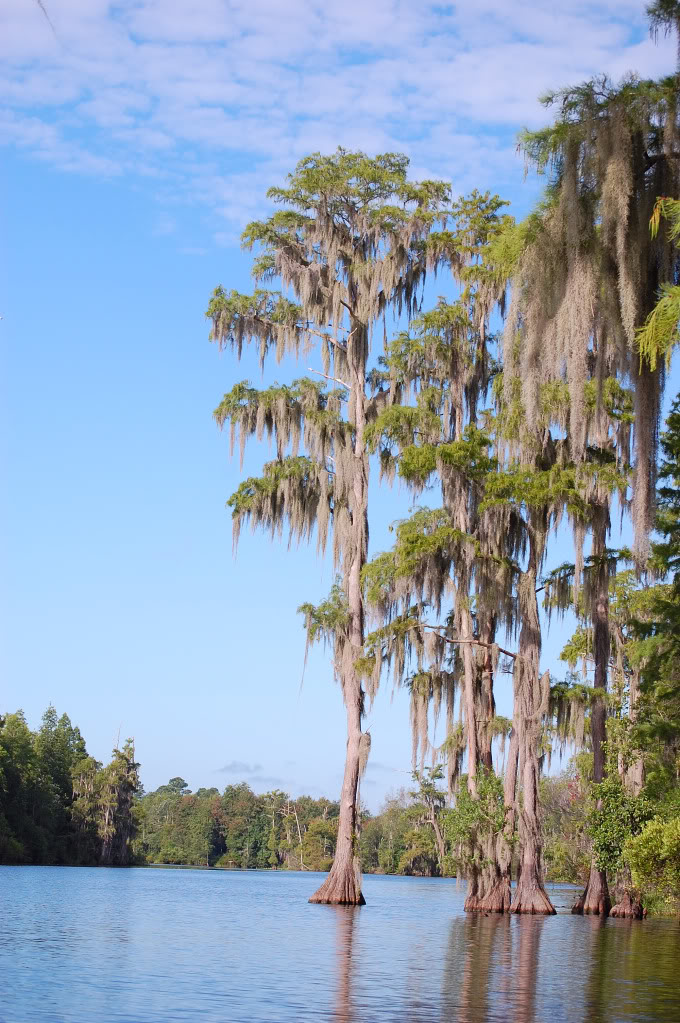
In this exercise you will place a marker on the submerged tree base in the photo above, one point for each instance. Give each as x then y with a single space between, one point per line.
595 900
471 904
498 900
628 908
341 888
531 897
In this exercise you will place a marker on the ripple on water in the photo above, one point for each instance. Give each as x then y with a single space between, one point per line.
79 945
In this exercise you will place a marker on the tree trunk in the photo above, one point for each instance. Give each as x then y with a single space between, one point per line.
469 679
343 884
595 898
629 908
635 773
499 897
530 895
531 699
488 703
472 897
438 840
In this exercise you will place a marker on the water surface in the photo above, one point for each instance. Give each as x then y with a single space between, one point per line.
81 945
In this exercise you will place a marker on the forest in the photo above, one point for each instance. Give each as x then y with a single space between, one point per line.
62 807
522 413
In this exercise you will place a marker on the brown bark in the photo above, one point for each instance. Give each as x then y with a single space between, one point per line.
487 700
628 907
595 898
343 884
469 673
472 898
530 895
531 699
635 774
499 896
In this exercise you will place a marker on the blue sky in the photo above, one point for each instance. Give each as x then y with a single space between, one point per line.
139 138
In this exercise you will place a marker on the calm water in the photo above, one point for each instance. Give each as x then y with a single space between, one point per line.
158 946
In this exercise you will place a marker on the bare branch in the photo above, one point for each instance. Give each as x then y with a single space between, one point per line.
334 379
474 642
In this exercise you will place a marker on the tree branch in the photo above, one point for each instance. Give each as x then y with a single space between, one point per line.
334 379
474 642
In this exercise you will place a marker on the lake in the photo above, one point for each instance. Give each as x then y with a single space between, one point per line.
87 945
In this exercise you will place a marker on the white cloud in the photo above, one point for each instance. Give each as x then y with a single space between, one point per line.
219 98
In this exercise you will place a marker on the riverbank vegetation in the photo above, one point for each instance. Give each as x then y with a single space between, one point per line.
62 807
58 804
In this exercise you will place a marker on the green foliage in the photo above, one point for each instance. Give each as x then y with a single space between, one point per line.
581 107
419 855
57 804
566 848
377 186
654 859
520 485
660 333
472 818
256 490
329 619
417 464
655 647
427 534
613 818
400 424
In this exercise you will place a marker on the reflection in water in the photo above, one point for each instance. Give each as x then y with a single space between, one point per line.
492 968
149 946
345 927
629 976
479 938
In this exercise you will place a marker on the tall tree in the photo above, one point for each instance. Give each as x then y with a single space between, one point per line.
117 825
585 276
350 243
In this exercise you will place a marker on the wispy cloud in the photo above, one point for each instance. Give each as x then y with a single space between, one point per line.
265 779
239 767
216 99
376 767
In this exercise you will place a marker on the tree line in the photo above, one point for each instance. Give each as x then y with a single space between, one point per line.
415 832
57 803
60 806
543 427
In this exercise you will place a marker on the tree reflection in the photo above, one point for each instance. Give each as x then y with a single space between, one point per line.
526 974
344 942
633 970
492 968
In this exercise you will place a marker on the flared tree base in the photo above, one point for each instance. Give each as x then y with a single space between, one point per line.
628 908
340 889
498 900
595 900
471 904
531 897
